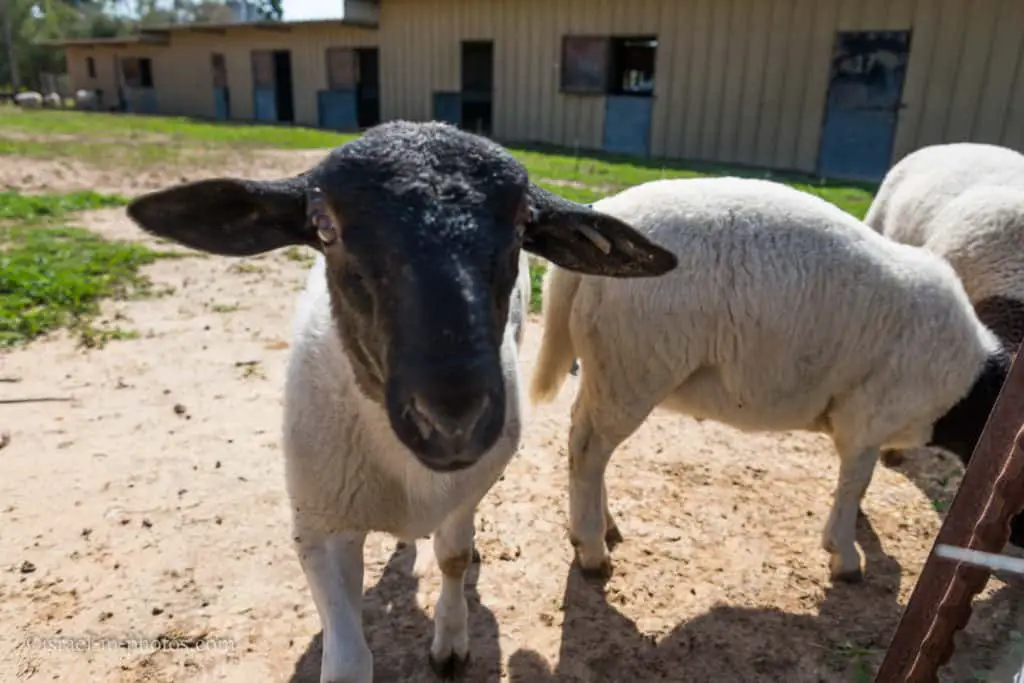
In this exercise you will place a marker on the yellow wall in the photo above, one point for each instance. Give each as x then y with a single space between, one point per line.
183 76
741 81
105 57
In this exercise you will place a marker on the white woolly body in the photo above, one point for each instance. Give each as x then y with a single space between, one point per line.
965 202
785 313
346 470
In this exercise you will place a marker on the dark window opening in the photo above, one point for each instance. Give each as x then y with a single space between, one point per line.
137 72
477 66
584 65
368 87
90 67
285 97
632 66
477 94
220 70
598 65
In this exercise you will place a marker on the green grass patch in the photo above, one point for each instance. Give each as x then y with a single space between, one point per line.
536 285
179 128
167 139
30 207
54 276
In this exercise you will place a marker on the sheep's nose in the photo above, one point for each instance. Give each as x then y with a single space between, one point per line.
450 416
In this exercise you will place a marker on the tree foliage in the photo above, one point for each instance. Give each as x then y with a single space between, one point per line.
35 20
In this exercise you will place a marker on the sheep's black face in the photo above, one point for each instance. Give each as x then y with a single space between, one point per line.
422 240
421 226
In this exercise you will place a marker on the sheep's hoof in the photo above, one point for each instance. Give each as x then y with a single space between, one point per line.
451 668
613 536
851 576
847 575
892 458
602 572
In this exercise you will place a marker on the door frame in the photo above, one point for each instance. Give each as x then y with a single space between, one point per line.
484 97
256 87
900 104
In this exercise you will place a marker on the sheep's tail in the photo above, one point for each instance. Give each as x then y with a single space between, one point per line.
556 355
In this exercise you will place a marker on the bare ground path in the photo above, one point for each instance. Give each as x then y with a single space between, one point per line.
152 503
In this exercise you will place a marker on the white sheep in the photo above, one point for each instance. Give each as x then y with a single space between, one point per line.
52 100
85 99
784 313
965 202
29 99
402 400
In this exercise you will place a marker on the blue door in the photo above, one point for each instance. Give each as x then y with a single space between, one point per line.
448 107
627 124
141 100
221 104
265 104
337 109
862 110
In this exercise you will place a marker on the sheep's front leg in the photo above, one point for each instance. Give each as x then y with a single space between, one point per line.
333 566
453 549
839 538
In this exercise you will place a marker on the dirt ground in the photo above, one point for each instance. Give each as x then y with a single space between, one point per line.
149 501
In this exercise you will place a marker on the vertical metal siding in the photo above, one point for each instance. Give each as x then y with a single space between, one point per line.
667 98
185 62
1013 125
739 41
1000 72
769 109
758 34
694 117
815 89
794 82
735 80
943 70
970 74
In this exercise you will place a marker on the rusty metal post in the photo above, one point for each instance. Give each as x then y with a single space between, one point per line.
990 495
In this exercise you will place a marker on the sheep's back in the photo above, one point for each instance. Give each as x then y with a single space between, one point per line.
922 185
778 292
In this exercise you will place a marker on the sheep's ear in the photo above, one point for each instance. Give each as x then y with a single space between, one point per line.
228 216
578 238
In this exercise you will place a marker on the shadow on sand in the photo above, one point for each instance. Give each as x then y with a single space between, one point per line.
845 641
399 632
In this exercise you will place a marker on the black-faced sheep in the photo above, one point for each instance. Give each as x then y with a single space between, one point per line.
402 399
785 313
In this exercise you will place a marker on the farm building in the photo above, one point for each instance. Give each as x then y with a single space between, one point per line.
841 88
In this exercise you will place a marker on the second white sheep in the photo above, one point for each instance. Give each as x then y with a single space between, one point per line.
785 313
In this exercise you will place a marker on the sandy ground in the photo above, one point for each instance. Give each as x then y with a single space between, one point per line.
168 517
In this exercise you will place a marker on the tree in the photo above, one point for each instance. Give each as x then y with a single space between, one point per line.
269 9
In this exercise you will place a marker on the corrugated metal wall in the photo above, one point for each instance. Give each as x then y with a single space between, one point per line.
183 75
105 57
742 81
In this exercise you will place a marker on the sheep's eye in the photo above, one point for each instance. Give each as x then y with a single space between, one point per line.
326 230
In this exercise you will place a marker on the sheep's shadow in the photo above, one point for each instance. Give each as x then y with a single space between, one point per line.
399 632
845 641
